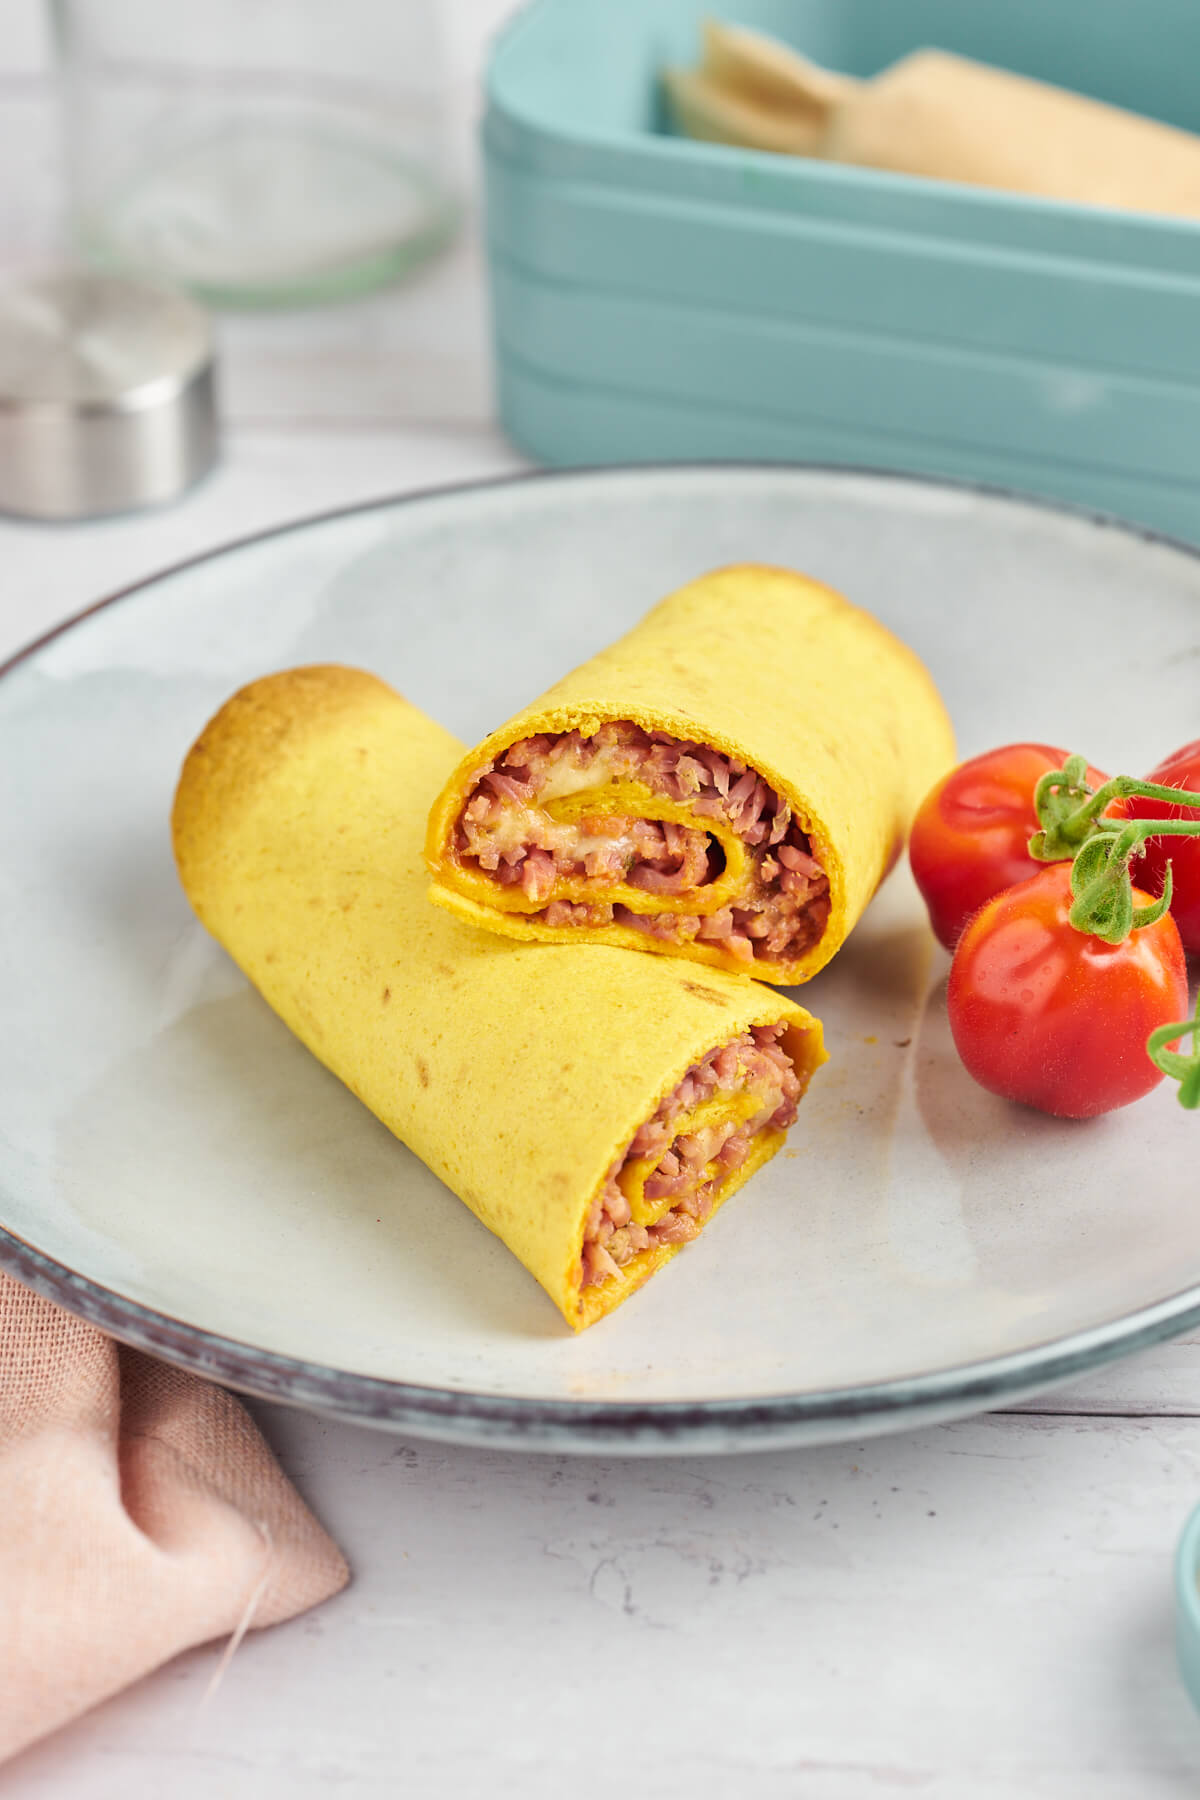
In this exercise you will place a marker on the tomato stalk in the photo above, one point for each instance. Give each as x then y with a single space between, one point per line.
1074 824
1181 1066
1068 809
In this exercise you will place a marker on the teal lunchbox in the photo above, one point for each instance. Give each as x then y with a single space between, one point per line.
656 299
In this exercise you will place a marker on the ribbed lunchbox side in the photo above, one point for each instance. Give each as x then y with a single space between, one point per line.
1089 310
571 424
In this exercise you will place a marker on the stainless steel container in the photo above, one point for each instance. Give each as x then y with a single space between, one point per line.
106 395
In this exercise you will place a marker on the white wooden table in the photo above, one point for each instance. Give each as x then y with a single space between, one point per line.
979 1610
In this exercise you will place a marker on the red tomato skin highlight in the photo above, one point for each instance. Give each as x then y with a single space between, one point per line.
1053 1017
1182 770
970 837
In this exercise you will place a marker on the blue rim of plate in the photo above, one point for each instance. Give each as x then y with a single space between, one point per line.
461 1415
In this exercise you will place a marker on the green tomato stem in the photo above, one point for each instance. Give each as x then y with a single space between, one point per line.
1181 1066
1128 787
1101 849
1068 810
1148 828
1102 905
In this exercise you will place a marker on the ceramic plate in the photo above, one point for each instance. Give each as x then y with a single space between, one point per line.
176 1168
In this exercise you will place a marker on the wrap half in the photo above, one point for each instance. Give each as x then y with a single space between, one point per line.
592 1108
728 783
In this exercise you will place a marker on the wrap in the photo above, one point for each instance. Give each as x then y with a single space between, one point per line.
592 1108
728 783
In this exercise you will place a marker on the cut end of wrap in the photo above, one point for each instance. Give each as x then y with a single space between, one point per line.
728 1117
729 784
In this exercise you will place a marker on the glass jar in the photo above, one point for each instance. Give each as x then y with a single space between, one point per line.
256 152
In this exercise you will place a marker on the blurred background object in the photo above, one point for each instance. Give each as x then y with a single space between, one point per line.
256 152
321 406
658 298
106 395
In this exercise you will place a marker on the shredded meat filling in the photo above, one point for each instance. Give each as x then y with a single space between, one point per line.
691 1166
505 830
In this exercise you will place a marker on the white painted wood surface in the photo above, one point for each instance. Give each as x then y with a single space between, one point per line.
983 1609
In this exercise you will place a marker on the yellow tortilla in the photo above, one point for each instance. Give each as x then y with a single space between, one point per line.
832 710
520 1074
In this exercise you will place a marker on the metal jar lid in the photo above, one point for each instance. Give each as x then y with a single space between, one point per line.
106 395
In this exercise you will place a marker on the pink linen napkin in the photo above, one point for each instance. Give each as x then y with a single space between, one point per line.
140 1513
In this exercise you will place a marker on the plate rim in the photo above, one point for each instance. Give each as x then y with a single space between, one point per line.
464 1415
650 1426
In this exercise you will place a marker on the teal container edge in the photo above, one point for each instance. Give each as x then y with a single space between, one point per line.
1052 411
1187 1606
939 290
569 424
655 298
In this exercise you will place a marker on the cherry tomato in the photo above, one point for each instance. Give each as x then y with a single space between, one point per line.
1181 770
1054 1017
970 837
